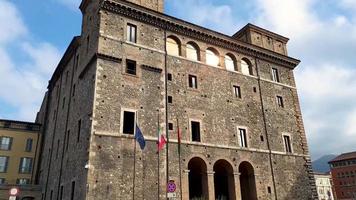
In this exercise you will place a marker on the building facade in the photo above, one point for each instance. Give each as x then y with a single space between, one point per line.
233 98
19 154
324 186
343 171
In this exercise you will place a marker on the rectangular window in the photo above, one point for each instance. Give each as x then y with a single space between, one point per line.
128 123
193 82
25 165
5 143
67 142
51 196
170 99
2 181
243 137
79 129
131 67
169 77
131 33
170 126
275 75
72 191
23 181
29 142
73 92
195 128
280 102
58 142
237 91
287 144
64 102
61 193
4 160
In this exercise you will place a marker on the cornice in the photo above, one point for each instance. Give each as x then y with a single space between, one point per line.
187 29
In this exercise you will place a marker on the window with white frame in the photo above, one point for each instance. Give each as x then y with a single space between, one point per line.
287 143
243 137
25 165
275 75
237 91
128 122
4 160
5 143
195 131
280 102
23 181
193 82
131 33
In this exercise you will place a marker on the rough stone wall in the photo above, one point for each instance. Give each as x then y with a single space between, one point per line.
112 158
66 149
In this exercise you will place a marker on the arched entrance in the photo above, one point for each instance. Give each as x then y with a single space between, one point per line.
198 180
224 183
247 181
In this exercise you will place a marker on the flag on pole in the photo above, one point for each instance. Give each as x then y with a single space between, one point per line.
139 137
161 139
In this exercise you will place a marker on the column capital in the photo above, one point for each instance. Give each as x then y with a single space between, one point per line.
210 173
237 173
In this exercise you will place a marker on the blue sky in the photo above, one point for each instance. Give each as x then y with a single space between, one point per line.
34 34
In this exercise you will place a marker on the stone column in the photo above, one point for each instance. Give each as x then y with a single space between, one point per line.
237 185
185 185
211 188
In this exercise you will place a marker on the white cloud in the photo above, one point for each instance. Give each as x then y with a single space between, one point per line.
349 4
205 13
23 83
11 23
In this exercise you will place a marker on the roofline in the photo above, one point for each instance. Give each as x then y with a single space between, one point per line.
19 122
337 159
65 59
205 31
252 26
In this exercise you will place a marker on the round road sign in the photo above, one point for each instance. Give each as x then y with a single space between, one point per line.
171 187
14 191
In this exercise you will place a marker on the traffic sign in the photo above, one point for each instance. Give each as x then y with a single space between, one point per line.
14 191
171 187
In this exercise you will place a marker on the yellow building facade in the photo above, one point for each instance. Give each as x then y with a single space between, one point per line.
19 152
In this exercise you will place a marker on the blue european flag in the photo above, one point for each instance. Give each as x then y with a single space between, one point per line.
139 137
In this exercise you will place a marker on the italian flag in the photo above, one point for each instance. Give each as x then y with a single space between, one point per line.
161 139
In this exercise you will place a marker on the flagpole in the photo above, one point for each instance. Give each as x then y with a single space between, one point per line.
166 108
179 157
158 136
134 166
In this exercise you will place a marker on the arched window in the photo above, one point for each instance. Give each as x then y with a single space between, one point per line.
192 51
246 67
247 181
173 46
230 62
224 183
198 180
212 57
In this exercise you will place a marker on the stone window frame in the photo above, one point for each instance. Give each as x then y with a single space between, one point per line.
278 98
238 127
290 141
275 77
190 130
123 109
196 79
130 24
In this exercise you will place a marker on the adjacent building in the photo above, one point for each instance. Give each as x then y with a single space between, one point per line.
324 186
19 153
233 98
343 171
